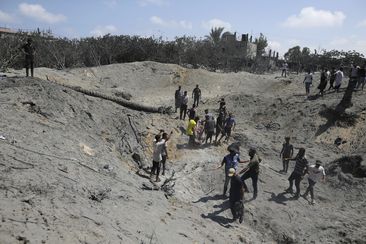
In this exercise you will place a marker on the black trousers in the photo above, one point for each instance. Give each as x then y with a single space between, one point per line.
29 65
237 209
183 111
163 161
254 177
196 100
297 178
155 167
285 164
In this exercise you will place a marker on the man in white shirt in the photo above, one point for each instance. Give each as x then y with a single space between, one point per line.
158 147
316 172
338 79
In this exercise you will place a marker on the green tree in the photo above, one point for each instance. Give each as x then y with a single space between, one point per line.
215 35
262 43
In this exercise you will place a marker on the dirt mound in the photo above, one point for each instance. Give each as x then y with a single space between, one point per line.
74 168
353 165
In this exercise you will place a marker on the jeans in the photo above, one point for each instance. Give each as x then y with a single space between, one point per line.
310 189
163 161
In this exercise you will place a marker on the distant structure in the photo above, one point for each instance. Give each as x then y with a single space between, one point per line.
6 31
243 48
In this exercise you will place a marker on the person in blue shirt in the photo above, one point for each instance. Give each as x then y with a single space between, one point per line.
231 160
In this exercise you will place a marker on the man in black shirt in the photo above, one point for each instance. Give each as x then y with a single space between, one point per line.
361 77
28 50
252 171
196 95
236 195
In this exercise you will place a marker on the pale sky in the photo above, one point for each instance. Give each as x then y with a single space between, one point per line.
317 24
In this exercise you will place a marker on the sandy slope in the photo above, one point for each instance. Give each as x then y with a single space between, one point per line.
67 151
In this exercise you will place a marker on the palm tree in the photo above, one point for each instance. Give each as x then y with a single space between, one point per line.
215 35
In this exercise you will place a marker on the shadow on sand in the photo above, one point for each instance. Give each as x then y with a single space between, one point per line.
193 147
209 198
280 198
221 220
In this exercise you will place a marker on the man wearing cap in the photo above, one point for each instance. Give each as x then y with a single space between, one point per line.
252 171
316 172
300 170
236 195
231 160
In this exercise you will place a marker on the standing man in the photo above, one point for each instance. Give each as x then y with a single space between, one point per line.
284 69
323 81
361 76
196 95
300 170
158 147
210 129
231 160
316 172
236 195
184 106
28 50
287 152
229 126
178 98
164 151
332 78
353 76
252 171
338 79
308 80
219 125
191 130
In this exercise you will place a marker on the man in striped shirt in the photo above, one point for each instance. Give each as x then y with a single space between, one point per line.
300 170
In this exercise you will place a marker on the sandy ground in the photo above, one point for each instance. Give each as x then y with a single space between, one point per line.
67 173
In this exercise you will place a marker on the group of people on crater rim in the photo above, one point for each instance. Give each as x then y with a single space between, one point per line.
357 77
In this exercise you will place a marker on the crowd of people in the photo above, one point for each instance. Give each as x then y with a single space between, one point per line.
357 75
238 186
202 131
